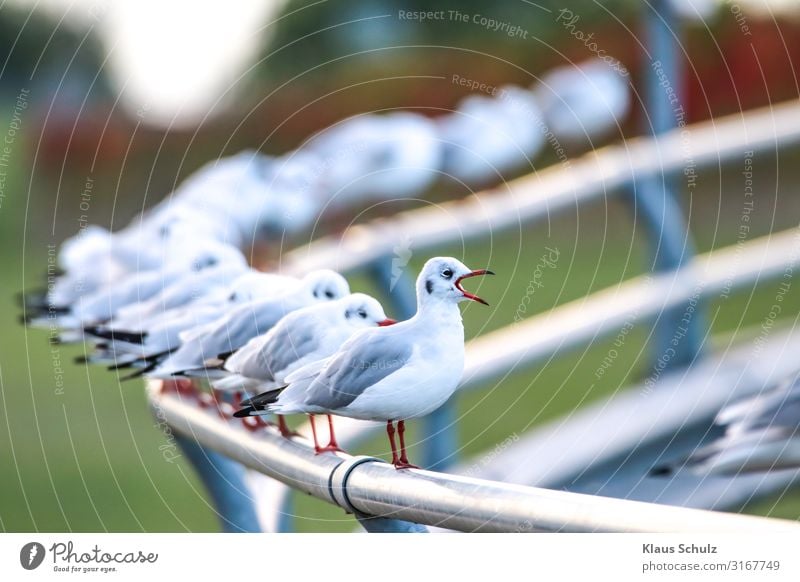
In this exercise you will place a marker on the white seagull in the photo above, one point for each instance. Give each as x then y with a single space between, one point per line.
762 433
304 336
487 136
584 102
101 305
232 331
390 373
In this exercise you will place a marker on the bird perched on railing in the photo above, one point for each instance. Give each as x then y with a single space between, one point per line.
762 433
388 374
487 136
584 102
144 333
302 337
191 256
232 201
377 157
239 325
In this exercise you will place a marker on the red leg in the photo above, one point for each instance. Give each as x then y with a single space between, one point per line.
332 446
286 432
317 448
401 431
390 432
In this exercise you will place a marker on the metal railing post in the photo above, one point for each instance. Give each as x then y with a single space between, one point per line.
439 428
224 480
655 196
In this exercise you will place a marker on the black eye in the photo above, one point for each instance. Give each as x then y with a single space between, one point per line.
362 313
447 273
329 294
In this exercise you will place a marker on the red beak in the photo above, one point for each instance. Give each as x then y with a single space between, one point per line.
386 322
467 276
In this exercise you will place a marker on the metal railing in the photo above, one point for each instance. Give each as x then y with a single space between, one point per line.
374 490
493 355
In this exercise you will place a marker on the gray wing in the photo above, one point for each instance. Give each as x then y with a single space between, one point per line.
243 324
369 358
287 344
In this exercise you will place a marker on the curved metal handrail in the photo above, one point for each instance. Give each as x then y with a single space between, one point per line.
538 195
371 487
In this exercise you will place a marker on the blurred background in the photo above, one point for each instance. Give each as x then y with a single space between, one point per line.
105 106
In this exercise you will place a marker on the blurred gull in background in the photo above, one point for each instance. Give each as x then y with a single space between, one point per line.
584 102
487 136
377 157
762 433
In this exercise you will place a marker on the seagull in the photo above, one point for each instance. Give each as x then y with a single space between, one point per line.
131 322
101 305
487 136
159 335
233 330
230 200
392 373
762 433
584 102
380 157
304 336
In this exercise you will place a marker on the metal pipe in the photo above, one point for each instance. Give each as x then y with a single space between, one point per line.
655 196
371 487
225 482
538 196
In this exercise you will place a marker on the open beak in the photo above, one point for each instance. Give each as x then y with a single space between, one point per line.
386 322
467 276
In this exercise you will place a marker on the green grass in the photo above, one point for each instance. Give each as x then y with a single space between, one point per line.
87 458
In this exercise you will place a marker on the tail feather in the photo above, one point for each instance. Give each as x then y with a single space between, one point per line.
131 337
235 382
259 405
139 373
153 360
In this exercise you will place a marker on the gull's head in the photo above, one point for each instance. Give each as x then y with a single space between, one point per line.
199 253
360 310
326 285
441 279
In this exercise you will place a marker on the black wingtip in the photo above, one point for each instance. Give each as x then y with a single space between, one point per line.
131 337
244 412
662 471
261 401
